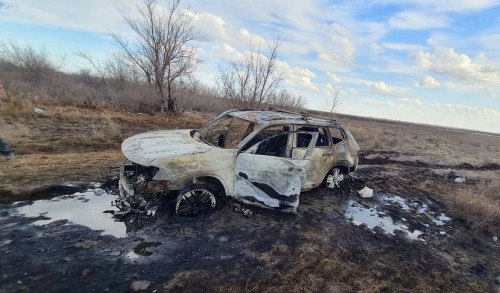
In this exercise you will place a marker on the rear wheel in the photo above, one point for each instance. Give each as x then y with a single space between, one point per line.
196 198
334 178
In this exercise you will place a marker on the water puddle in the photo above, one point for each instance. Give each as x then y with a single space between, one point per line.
389 213
141 249
371 218
83 208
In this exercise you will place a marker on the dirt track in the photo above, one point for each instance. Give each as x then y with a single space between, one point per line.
327 247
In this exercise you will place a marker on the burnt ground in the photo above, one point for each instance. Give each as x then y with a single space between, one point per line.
318 249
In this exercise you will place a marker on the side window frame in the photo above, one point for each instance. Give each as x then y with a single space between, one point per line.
339 130
319 132
248 149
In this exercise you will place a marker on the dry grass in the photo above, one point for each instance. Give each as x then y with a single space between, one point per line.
66 143
33 170
478 205
423 143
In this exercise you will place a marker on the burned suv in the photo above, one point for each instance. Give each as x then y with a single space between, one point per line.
259 157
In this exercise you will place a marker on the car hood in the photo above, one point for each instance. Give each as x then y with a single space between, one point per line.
149 148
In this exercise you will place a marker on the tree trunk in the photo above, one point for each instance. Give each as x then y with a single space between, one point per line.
170 100
162 99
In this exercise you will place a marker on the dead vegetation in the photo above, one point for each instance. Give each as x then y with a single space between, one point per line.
67 143
432 145
478 205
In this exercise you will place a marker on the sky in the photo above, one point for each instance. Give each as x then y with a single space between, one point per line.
425 61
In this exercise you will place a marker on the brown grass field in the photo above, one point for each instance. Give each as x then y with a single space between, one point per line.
67 144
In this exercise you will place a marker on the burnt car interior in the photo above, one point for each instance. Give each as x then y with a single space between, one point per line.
303 138
271 141
228 132
337 135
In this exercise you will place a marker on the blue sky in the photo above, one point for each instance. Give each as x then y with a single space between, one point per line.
435 62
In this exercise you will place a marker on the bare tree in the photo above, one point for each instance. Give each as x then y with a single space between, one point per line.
95 76
333 102
251 81
162 46
35 62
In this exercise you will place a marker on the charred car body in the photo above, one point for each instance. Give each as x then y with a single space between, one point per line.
259 157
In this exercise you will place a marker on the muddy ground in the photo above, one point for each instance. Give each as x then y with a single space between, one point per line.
402 239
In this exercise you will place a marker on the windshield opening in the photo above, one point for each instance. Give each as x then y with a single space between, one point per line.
226 133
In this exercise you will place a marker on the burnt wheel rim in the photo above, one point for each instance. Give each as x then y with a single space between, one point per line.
195 201
334 178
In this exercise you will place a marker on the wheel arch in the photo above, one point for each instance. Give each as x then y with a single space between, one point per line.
212 180
343 170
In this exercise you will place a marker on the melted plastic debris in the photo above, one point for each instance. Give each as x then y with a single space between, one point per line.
366 192
83 208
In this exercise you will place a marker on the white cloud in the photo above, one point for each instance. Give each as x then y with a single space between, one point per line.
413 20
468 110
340 49
299 78
448 84
83 15
402 47
349 90
378 87
447 61
406 100
376 49
332 77
446 5
428 82
370 101
211 27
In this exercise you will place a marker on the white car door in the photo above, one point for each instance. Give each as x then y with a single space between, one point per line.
270 181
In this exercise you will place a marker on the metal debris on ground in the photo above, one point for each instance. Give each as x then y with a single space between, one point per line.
366 192
459 180
245 211
140 285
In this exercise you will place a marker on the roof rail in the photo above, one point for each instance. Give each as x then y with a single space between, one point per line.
304 115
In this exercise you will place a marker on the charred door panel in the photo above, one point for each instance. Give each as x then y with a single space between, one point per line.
268 181
321 162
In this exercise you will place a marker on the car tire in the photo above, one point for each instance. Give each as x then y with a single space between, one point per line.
334 177
197 198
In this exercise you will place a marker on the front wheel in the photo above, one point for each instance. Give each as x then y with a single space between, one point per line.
334 178
196 198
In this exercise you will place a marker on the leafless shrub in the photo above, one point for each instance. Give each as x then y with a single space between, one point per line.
35 63
197 97
109 81
253 80
286 100
333 102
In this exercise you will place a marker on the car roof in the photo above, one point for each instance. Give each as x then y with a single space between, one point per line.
276 116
